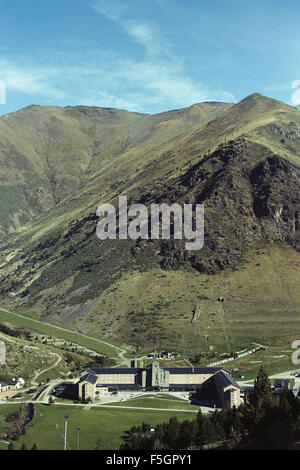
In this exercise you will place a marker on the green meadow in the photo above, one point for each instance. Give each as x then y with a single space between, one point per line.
17 320
159 402
107 424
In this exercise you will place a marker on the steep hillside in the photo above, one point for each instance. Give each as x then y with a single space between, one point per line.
242 161
49 153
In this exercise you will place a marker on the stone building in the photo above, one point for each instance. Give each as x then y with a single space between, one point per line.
216 380
13 384
222 389
86 387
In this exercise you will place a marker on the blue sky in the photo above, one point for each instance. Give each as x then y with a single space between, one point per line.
147 55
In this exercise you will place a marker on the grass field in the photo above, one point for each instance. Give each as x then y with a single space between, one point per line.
24 359
28 359
4 410
273 360
162 402
17 320
261 304
108 424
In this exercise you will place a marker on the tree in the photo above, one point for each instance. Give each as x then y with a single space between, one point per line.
261 412
210 433
187 435
172 433
98 444
262 393
289 405
10 446
34 447
24 447
200 431
145 427
261 399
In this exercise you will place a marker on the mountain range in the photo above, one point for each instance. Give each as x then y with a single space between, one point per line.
242 161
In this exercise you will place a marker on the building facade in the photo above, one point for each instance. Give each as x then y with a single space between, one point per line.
157 378
11 385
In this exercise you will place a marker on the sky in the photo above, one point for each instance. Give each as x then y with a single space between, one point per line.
147 56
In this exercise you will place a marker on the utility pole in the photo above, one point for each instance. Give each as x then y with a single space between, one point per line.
59 437
65 435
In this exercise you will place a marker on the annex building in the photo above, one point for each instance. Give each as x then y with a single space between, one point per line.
216 381
11 384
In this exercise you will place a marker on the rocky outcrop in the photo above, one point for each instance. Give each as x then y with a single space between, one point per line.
250 196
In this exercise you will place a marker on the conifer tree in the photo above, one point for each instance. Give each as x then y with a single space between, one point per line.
98 444
262 393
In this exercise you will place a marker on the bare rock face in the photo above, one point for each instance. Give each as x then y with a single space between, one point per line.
277 199
249 195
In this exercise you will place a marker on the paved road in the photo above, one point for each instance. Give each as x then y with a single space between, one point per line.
120 407
281 375
142 408
94 405
285 375
42 371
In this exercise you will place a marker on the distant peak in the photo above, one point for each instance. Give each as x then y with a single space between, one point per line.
211 103
263 102
255 95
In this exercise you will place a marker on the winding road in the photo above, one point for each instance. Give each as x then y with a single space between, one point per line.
42 371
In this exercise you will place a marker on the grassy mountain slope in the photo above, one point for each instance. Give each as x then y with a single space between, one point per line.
241 161
50 153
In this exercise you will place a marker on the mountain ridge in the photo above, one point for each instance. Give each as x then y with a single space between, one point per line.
242 163
36 144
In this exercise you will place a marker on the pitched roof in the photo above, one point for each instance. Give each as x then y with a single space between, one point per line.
172 370
222 379
114 370
193 370
12 382
91 378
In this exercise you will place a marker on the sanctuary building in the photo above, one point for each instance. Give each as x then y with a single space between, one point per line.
216 381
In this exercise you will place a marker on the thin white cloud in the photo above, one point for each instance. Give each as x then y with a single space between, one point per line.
90 79
2 92
167 83
161 76
296 84
147 35
295 98
103 78
112 9
29 78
